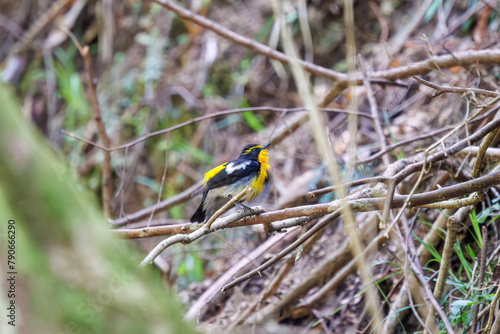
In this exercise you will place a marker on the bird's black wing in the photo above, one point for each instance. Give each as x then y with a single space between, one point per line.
233 171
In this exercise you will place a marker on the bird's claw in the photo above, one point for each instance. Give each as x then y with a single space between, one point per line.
246 209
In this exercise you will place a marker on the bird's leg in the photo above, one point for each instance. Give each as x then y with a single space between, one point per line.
245 208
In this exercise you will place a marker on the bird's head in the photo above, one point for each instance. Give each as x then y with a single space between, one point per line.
255 152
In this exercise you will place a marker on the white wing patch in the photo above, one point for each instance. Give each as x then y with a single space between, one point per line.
230 168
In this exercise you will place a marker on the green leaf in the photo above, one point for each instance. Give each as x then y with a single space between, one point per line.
430 248
250 118
191 267
377 282
431 10
148 182
252 121
469 250
475 221
465 264
456 306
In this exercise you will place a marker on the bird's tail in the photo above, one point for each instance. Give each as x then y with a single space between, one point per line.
199 215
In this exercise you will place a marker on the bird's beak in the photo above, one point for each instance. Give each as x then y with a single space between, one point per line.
266 146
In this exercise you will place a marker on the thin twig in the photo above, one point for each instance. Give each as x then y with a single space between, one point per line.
426 290
227 206
188 238
482 270
161 206
318 226
55 9
355 183
453 228
382 21
374 110
204 117
493 306
491 56
411 280
441 89
413 139
162 183
482 152
358 204
247 42
107 186
215 287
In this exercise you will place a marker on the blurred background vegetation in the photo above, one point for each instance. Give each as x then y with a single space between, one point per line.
154 70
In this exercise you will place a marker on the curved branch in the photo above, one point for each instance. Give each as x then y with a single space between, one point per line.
457 90
460 58
204 117
325 221
163 205
360 202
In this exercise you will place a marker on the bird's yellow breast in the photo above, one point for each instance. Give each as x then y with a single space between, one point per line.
264 166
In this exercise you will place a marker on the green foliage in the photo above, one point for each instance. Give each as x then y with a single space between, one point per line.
70 88
476 229
319 321
264 31
431 10
153 63
460 295
340 66
460 310
250 119
176 212
465 265
377 282
477 220
75 275
32 76
136 121
430 248
334 37
184 147
466 26
148 182
191 268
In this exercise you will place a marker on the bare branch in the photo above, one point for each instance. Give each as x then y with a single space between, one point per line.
107 184
204 117
322 223
374 110
464 58
161 206
457 90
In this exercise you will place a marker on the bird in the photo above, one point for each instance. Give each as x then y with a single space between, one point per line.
229 179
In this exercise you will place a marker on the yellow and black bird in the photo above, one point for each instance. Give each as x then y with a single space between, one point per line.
231 178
